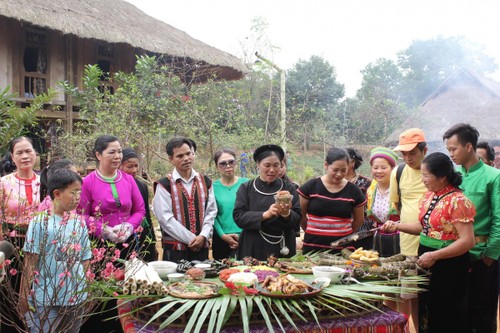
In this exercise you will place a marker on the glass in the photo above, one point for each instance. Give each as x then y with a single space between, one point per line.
225 164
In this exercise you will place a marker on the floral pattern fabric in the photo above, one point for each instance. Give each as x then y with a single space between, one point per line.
453 207
16 208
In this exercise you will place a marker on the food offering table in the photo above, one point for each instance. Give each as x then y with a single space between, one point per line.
351 305
385 321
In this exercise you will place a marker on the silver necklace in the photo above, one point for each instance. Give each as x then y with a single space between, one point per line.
281 239
263 193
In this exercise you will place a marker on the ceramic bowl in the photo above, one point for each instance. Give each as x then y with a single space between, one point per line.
163 268
176 277
334 273
203 266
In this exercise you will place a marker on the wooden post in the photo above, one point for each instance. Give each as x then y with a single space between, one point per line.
70 79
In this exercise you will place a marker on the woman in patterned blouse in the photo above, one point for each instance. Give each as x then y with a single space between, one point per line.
446 235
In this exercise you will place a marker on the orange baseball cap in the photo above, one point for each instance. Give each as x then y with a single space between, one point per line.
409 139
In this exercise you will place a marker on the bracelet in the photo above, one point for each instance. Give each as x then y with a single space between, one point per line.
286 214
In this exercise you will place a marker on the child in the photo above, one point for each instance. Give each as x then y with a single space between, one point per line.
57 252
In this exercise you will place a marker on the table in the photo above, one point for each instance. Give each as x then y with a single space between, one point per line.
387 321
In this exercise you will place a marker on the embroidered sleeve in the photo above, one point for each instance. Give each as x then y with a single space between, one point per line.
461 209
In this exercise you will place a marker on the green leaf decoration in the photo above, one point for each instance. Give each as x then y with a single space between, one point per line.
194 319
279 305
213 316
244 316
201 319
258 301
180 311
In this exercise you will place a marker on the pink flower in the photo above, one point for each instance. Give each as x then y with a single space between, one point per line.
54 241
133 255
77 247
7 262
64 274
13 271
90 276
139 229
125 245
36 281
72 299
13 233
115 294
97 208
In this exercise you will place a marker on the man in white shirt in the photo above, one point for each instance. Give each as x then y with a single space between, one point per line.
184 204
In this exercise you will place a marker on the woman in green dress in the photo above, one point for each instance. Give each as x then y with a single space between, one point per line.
226 233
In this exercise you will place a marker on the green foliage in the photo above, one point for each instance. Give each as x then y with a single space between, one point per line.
14 119
312 96
145 108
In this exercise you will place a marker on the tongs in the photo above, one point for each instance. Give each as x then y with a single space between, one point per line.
354 237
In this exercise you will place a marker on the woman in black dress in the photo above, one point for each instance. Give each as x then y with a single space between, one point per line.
268 228
147 238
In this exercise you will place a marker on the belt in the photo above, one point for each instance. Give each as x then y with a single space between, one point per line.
174 245
481 239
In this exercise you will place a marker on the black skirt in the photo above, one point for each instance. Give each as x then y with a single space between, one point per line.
444 306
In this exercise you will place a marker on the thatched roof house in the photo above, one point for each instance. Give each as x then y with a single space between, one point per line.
43 42
464 97
117 21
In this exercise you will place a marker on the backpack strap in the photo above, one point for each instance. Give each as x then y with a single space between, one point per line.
399 172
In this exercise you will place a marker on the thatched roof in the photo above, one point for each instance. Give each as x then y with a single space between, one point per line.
464 97
117 21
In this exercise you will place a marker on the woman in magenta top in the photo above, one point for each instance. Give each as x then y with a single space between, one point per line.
113 208
110 201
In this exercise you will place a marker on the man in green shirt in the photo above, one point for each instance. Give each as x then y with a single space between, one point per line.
481 184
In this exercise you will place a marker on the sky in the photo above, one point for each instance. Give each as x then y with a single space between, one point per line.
349 34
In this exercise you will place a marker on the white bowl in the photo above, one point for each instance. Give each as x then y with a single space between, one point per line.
175 277
324 281
203 266
163 268
334 273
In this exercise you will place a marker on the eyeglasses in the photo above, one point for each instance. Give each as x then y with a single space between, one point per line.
225 164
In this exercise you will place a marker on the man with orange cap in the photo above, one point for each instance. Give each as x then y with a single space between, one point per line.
406 190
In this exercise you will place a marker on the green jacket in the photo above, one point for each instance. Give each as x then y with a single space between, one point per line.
481 184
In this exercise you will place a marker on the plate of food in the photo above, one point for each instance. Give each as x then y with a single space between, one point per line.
287 286
194 289
361 256
260 271
295 267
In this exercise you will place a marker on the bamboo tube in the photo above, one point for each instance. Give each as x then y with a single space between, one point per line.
126 291
133 287
145 292
133 293
152 275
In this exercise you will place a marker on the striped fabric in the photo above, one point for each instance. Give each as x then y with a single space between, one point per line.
328 225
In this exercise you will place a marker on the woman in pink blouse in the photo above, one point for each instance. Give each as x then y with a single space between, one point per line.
19 199
20 189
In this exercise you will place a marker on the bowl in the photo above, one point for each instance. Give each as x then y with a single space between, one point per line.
203 266
163 268
323 281
334 273
176 277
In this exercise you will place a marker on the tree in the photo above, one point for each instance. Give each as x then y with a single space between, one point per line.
427 63
312 95
15 120
378 99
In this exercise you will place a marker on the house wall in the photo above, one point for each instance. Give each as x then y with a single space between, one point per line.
64 53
